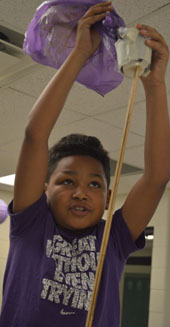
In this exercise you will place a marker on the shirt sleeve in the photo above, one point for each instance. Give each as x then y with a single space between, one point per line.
22 221
121 236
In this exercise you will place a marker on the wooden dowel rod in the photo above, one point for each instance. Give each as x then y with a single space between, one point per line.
107 228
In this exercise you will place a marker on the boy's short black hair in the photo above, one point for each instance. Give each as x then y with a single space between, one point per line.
78 144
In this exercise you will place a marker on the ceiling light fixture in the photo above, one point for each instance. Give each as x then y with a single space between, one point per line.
8 180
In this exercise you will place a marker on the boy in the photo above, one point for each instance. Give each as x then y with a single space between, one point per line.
56 235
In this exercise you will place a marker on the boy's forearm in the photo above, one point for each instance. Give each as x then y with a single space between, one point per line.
47 108
157 143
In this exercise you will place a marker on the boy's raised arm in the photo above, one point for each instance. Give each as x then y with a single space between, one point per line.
33 160
143 199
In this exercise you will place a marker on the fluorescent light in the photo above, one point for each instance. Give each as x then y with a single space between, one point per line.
149 237
8 180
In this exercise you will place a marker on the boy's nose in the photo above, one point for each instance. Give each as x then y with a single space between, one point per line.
80 194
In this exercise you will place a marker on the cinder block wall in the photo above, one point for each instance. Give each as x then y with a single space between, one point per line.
160 273
4 239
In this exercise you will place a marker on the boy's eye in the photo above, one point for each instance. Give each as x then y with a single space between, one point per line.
67 182
95 184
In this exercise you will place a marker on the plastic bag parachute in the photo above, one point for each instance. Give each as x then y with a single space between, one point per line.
3 211
51 36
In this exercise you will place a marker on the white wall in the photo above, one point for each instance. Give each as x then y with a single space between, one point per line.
160 274
159 309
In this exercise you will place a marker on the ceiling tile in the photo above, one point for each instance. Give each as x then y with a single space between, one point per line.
17 14
8 163
14 109
158 19
117 118
68 117
34 83
133 156
132 9
90 103
109 136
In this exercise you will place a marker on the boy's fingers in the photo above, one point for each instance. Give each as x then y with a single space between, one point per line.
159 48
96 13
94 19
103 4
146 30
99 9
155 40
157 43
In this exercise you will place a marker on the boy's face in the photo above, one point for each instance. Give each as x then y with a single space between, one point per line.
77 192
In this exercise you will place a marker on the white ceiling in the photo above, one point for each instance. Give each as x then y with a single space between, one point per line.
85 111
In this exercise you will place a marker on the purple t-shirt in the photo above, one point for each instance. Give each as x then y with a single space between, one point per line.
50 271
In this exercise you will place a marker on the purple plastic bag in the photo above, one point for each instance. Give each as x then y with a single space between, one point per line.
51 36
3 211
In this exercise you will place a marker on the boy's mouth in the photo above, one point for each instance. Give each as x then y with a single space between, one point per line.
79 210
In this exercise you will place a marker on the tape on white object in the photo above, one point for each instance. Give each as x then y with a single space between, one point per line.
132 52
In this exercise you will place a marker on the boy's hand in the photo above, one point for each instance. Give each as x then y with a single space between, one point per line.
88 39
160 55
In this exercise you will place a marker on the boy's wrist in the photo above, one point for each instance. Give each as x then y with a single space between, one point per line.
79 56
155 92
153 86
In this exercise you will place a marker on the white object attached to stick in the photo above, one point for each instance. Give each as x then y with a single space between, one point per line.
132 52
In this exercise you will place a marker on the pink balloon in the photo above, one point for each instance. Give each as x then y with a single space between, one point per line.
3 211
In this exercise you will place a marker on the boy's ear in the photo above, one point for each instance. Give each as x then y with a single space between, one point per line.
108 199
45 187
